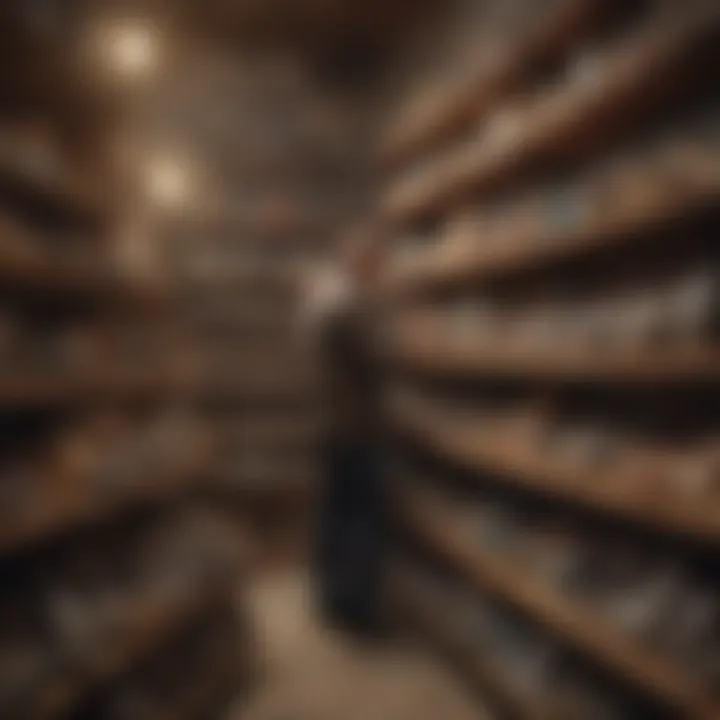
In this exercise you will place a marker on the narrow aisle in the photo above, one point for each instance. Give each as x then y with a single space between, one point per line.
311 673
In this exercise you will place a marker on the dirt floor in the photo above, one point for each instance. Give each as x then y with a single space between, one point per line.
310 673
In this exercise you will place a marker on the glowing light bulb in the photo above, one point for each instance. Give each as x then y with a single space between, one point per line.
131 48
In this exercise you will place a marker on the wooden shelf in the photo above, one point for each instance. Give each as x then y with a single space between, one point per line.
436 355
80 506
570 622
472 258
43 277
65 196
437 625
40 390
441 113
153 624
565 120
28 268
532 470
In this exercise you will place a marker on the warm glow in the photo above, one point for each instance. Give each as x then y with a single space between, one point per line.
167 182
131 48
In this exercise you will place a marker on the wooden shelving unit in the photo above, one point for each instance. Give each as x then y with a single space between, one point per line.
47 278
151 625
570 622
79 504
562 120
208 664
87 272
103 456
527 212
476 258
443 111
522 466
477 668
438 355
63 193
26 390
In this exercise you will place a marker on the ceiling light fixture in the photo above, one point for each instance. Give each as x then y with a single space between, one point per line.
130 48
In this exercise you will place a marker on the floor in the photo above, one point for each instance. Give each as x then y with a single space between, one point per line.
310 673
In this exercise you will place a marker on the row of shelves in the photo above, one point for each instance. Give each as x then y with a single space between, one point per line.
109 552
444 110
432 525
479 670
626 82
83 652
35 274
151 624
26 390
30 173
56 227
638 496
209 660
644 200
553 311
70 502
40 390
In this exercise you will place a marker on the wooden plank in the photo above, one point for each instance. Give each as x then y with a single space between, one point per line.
437 355
504 459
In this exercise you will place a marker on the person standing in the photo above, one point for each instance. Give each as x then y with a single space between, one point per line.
352 522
